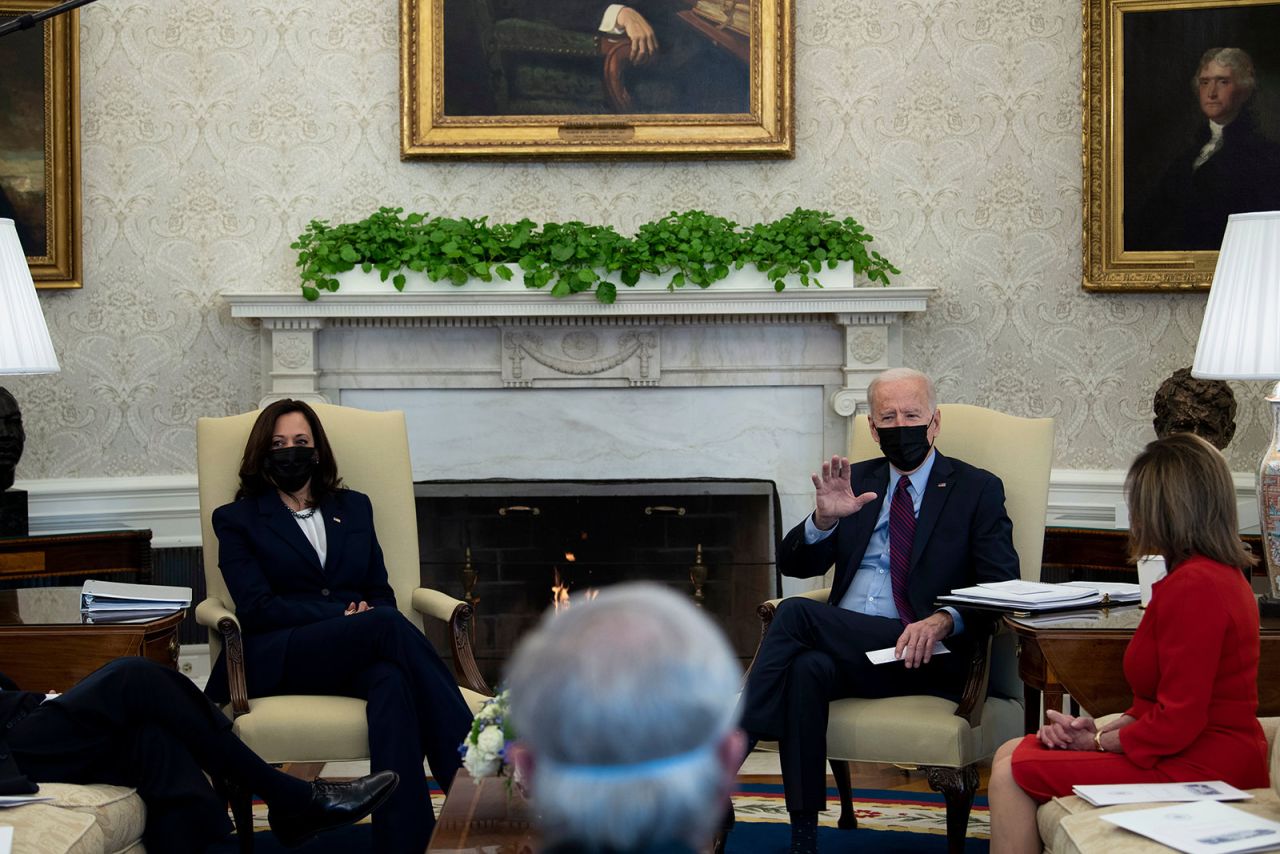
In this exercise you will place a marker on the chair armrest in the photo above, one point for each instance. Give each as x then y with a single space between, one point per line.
213 614
974 694
211 611
457 613
768 608
616 51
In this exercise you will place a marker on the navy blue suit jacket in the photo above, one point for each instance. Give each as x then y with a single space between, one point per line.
276 580
963 536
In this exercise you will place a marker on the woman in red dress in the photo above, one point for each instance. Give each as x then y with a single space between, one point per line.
1192 663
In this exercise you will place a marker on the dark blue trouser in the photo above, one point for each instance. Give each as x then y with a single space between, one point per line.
812 654
414 708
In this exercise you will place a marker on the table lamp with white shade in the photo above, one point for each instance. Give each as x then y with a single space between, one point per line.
1240 340
25 348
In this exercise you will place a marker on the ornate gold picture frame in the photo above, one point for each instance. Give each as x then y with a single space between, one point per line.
1159 179
40 141
576 79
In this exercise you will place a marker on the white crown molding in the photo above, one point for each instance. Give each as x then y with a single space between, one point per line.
169 504
465 302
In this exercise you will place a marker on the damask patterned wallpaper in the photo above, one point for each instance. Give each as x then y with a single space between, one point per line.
213 131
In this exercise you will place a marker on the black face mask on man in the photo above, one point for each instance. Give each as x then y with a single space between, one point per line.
290 468
905 447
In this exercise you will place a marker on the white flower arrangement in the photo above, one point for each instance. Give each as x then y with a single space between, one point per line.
484 751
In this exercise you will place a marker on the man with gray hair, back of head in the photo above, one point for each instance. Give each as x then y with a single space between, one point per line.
626 713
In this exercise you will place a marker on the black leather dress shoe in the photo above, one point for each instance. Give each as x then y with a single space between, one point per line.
333 805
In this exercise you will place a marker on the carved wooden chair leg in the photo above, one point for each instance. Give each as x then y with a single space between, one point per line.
957 786
844 784
241 801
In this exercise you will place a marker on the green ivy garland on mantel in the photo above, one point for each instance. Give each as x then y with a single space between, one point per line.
694 247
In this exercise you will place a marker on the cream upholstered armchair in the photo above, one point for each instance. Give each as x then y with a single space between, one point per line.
945 738
372 450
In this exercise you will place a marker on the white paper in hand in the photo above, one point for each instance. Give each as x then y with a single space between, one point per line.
886 656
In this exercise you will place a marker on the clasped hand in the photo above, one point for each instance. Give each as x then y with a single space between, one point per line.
354 608
1067 732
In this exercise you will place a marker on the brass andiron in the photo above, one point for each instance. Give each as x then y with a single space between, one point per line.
698 576
469 578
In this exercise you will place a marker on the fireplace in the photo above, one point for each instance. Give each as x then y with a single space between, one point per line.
506 383
514 547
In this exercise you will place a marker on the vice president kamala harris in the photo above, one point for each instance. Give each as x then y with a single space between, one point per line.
301 559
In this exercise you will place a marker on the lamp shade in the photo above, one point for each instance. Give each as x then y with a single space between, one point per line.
1240 335
25 347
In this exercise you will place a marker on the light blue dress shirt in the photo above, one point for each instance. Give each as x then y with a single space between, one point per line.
872 589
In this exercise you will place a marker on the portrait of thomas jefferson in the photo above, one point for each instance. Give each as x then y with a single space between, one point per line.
1227 165
547 57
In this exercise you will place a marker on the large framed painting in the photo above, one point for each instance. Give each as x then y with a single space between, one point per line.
589 78
40 141
1182 129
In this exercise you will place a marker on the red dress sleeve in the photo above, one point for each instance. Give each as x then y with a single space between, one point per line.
1188 635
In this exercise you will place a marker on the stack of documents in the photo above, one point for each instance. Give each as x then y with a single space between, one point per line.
1147 793
100 598
7 801
1204 827
1114 592
1035 596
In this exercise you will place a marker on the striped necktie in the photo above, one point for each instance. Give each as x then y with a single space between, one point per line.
902 531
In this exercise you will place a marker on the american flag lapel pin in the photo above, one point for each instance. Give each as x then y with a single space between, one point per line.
941 485
337 521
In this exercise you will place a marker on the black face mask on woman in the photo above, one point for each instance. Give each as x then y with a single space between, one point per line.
905 447
290 468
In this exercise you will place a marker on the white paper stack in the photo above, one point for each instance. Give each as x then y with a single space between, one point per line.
1147 793
1024 595
104 596
7 801
1115 592
1204 827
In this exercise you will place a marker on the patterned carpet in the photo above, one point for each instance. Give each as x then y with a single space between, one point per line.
877 809
889 822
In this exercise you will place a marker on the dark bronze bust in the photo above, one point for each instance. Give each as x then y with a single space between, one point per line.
12 438
1184 404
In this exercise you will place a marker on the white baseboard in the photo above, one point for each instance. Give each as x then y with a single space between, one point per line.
170 507
193 660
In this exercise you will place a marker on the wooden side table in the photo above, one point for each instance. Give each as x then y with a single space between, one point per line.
484 816
46 645
93 553
1081 654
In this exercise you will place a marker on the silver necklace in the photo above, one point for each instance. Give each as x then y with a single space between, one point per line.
299 514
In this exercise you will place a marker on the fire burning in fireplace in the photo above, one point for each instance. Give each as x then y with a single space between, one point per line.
711 538
560 589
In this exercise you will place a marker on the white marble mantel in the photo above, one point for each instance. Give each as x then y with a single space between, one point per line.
868 319
499 381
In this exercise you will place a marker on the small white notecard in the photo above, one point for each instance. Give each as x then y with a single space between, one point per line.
886 656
